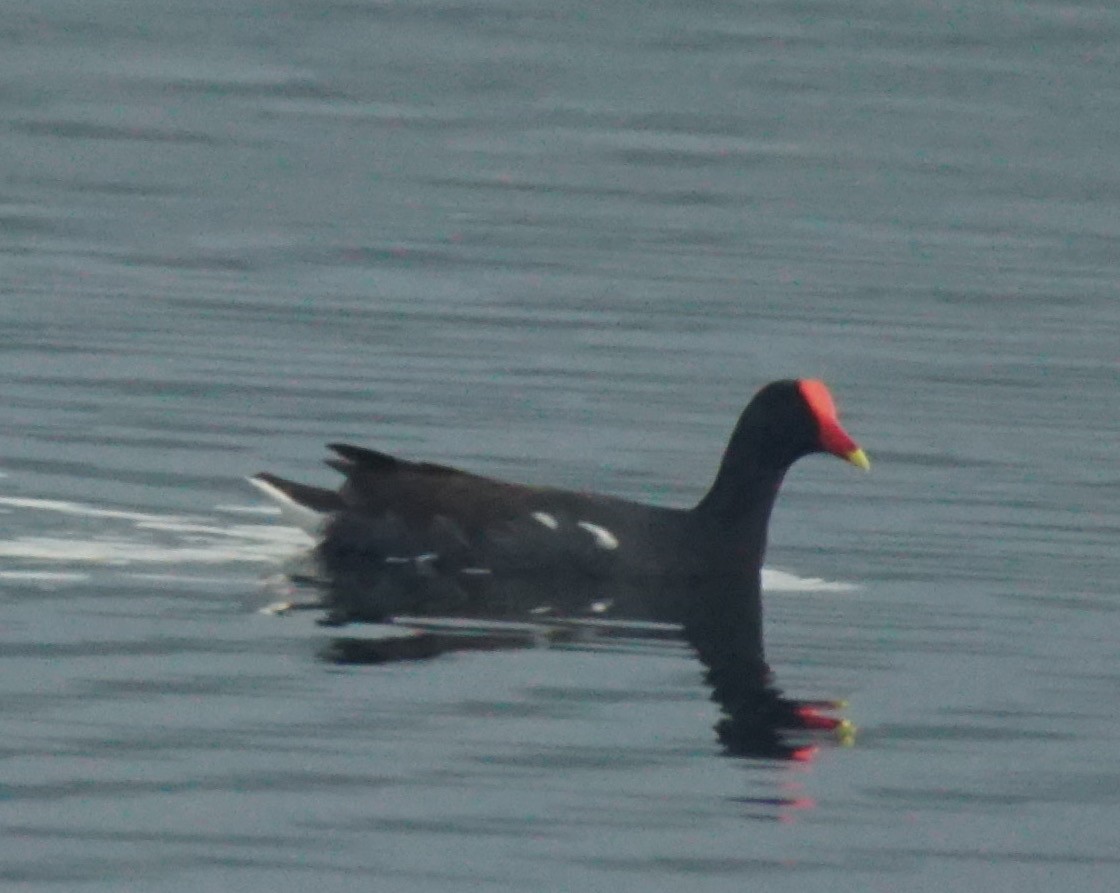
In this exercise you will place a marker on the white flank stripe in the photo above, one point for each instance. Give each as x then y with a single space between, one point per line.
546 519
604 539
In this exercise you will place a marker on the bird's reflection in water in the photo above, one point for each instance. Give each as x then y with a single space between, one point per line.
757 718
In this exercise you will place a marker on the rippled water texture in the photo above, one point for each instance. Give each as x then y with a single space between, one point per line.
560 244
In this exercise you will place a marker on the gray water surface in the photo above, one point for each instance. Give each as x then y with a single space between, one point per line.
559 244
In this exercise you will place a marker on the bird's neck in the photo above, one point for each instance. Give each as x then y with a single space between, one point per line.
740 502
726 623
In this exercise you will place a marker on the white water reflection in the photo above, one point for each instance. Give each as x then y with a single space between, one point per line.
126 538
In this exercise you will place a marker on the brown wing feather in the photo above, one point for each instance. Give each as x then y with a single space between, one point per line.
360 457
419 492
355 458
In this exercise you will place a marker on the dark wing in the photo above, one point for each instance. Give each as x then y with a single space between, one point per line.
416 537
402 537
419 492
354 458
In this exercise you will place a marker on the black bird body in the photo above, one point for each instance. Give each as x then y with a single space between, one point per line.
419 539
402 537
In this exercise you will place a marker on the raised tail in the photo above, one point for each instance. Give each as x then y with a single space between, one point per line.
300 505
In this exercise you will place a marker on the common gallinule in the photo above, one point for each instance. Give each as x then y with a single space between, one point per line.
416 538
406 538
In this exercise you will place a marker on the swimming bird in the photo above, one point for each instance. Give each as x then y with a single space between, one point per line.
416 538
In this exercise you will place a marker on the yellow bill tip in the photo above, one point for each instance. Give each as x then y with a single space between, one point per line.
859 459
